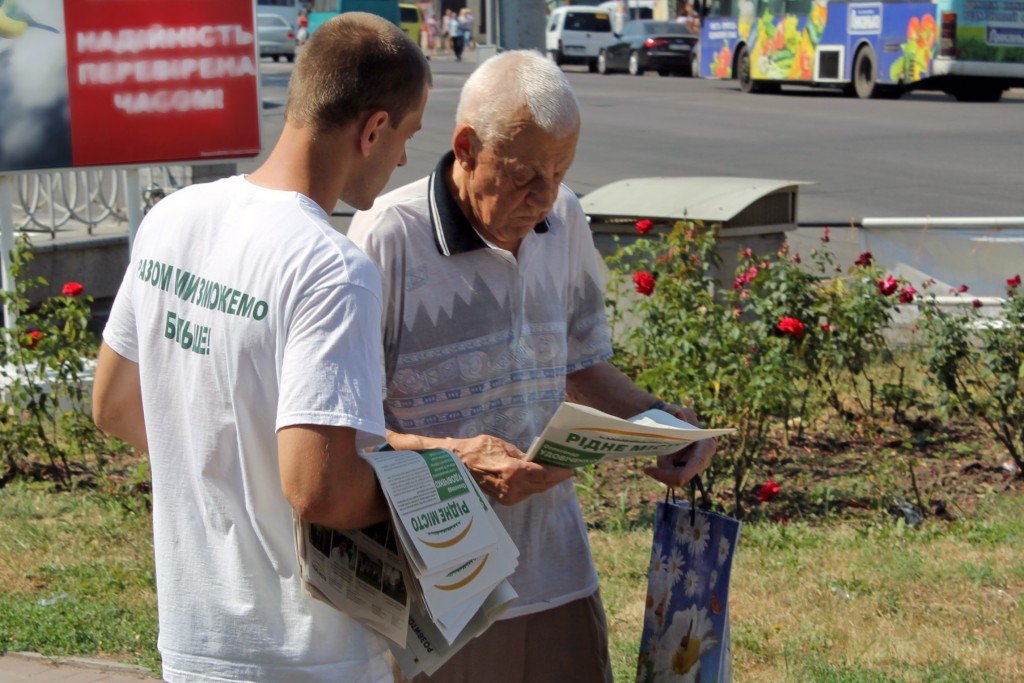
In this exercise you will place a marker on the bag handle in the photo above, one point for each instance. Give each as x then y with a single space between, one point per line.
695 485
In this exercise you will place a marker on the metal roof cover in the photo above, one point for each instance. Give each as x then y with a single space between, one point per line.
713 199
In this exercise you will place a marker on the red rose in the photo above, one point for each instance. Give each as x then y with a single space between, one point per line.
864 260
1013 282
962 288
796 259
825 238
33 338
747 253
643 225
791 326
72 289
976 303
888 286
644 282
907 294
768 490
825 327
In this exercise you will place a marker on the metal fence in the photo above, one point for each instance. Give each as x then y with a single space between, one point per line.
51 203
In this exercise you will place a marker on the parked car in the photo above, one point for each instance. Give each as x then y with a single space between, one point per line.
575 34
276 37
664 46
411 21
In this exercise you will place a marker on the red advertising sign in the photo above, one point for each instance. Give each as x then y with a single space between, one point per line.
117 82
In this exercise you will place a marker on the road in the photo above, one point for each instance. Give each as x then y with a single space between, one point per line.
923 155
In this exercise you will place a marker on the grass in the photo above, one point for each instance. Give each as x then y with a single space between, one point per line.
852 602
839 600
77 572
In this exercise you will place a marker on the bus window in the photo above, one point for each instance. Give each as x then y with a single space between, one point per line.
723 9
774 7
798 7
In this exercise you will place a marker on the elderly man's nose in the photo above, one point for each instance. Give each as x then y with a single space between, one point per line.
544 194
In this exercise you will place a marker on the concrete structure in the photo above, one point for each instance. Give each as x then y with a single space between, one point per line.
753 212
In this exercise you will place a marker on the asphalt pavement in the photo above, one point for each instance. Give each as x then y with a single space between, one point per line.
922 155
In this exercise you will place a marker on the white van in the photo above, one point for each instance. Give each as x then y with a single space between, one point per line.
576 33
622 11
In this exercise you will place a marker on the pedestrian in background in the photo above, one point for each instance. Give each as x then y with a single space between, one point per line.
455 31
432 30
466 28
303 33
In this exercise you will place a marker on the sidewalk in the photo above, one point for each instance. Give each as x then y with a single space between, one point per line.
28 666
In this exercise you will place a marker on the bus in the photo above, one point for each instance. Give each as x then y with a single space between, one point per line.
286 9
322 10
970 49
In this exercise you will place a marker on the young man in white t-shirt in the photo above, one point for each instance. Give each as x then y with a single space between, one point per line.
243 353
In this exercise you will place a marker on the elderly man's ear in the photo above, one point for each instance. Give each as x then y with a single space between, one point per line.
466 145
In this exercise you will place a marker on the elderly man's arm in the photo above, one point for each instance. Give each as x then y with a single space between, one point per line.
496 465
117 398
605 387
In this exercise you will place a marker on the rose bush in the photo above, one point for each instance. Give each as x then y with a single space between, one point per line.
784 338
684 343
43 361
976 362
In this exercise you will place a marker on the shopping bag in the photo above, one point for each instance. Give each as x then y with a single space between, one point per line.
686 617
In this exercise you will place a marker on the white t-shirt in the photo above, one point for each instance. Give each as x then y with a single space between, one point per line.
246 312
477 341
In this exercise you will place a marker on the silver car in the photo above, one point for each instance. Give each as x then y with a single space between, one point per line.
276 37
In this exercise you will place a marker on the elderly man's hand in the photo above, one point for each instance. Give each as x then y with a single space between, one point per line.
677 469
501 471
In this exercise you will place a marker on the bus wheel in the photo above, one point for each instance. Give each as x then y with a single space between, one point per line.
864 74
747 83
602 63
743 70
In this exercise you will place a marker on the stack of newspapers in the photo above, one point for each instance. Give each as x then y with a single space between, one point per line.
429 580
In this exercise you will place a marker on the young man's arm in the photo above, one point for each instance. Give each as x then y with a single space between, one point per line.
496 465
325 480
117 398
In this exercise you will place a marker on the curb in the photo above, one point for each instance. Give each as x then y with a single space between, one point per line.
84 663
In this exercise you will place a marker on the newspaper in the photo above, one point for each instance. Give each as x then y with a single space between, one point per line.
578 435
455 545
360 573
430 579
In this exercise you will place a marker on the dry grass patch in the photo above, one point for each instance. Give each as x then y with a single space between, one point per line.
855 602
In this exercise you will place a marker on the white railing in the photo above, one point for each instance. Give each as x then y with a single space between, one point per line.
84 199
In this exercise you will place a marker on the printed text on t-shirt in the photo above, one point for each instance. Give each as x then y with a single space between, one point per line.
202 292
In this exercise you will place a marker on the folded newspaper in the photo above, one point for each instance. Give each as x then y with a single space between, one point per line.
578 435
430 579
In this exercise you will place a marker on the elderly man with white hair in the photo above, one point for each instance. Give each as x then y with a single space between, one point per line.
493 315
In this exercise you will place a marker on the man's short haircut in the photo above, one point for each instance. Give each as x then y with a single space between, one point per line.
502 86
352 64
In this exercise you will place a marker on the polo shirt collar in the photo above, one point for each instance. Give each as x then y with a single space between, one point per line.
453 233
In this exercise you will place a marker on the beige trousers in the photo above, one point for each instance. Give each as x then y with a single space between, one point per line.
567 644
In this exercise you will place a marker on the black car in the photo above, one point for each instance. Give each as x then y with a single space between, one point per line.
664 46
